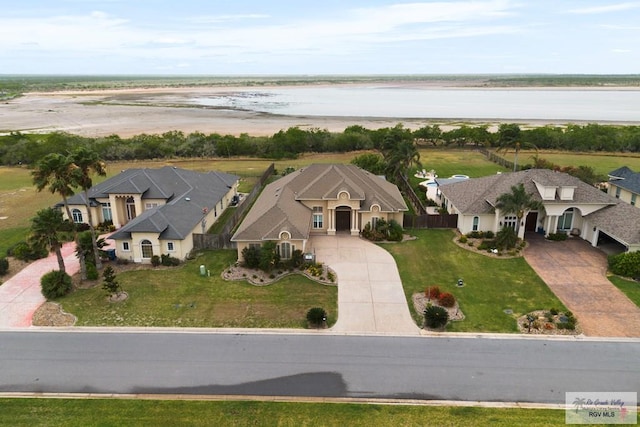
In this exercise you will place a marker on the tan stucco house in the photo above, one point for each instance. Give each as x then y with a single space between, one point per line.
624 184
156 211
570 206
321 199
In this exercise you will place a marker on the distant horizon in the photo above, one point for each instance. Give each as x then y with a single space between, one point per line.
514 74
334 37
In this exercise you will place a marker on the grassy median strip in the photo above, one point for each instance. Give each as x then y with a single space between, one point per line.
491 285
103 412
180 296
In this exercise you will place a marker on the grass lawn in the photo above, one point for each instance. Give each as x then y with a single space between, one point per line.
491 284
630 288
103 412
602 163
450 162
179 296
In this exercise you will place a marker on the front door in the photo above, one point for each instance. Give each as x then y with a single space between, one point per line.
531 222
343 219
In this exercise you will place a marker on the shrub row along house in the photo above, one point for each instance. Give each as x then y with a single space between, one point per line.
157 211
569 206
321 199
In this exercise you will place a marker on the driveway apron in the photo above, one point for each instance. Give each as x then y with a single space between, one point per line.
576 272
20 296
370 294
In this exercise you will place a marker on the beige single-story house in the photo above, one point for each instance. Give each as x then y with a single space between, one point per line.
321 199
156 211
570 206
624 184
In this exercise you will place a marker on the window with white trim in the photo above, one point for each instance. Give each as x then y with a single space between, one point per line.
125 246
147 249
633 199
106 212
318 217
617 192
510 221
150 205
476 223
77 216
565 220
285 250
374 222
170 247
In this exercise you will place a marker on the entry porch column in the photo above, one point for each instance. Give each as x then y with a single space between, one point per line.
331 226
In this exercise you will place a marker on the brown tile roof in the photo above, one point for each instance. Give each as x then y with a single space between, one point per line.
278 207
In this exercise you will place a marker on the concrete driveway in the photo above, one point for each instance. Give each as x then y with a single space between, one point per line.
576 272
370 294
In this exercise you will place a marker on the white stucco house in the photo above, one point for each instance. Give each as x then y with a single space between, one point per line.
156 211
320 199
570 206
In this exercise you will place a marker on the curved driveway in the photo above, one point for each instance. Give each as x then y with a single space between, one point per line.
576 272
370 294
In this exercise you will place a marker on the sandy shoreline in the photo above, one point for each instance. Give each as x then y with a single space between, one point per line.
133 111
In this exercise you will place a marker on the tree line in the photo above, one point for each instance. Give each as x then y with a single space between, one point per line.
18 148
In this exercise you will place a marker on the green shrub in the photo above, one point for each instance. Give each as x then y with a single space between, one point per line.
557 237
110 284
486 245
296 260
395 231
25 252
475 234
435 317
447 300
554 311
489 234
155 260
251 256
55 284
506 238
462 239
4 266
626 264
169 261
92 271
316 316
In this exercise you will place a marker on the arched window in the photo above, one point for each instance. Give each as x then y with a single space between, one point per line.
476 222
565 220
285 250
147 249
77 216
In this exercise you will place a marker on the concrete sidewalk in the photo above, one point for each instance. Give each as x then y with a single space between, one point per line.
370 294
20 296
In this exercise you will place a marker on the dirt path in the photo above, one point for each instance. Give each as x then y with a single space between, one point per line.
576 273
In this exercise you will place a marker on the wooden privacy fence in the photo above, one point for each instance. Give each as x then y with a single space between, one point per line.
497 159
411 195
430 221
222 240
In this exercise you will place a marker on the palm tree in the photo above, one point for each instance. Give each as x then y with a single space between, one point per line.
87 162
56 172
45 227
509 139
518 202
399 151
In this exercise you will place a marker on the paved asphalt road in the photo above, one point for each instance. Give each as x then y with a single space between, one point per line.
470 369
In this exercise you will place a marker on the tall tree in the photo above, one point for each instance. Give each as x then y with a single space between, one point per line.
45 227
517 202
509 138
399 151
56 172
87 163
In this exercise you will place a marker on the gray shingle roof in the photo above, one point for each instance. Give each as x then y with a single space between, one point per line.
187 193
478 195
278 207
621 221
625 178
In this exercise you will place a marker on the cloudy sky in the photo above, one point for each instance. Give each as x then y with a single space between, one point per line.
319 37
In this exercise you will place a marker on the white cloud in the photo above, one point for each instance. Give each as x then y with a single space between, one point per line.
607 9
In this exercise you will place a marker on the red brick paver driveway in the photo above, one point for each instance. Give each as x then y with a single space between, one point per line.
576 273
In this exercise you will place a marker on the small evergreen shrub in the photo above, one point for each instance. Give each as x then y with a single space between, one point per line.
169 261
447 300
489 234
435 317
155 260
4 266
316 316
557 237
475 234
251 256
626 264
462 239
92 271
110 283
432 292
26 252
55 284
554 311
506 238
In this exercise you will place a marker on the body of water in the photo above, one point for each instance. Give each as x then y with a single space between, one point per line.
435 103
